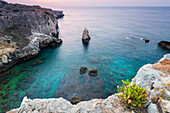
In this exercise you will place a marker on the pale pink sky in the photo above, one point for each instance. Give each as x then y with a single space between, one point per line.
56 3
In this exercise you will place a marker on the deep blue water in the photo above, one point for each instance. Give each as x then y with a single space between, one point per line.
111 51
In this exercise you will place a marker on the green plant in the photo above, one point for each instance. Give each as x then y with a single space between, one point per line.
133 97
125 83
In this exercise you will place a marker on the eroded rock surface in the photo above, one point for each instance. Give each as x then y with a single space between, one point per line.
164 44
24 30
86 36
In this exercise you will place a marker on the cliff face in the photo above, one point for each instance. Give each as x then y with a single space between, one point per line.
155 77
24 30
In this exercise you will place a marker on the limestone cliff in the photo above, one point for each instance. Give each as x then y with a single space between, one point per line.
155 77
24 30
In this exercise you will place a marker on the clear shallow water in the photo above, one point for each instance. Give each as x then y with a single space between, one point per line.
115 55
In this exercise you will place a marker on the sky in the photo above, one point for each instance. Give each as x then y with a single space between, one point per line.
56 3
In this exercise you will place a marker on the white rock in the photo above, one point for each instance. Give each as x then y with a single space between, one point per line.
5 59
153 108
166 105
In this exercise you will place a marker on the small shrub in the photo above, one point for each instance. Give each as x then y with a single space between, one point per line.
133 97
125 83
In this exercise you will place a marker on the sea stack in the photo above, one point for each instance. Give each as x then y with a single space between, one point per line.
85 37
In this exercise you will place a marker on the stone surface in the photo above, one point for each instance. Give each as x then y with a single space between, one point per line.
4 59
93 72
24 31
75 100
166 105
146 40
109 105
153 108
164 44
157 82
85 36
83 70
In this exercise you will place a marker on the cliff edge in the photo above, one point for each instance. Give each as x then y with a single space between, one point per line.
24 30
155 77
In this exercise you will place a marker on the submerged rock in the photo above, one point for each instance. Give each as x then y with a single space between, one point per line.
164 44
31 79
30 92
83 70
75 100
24 86
85 37
93 72
38 62
92 60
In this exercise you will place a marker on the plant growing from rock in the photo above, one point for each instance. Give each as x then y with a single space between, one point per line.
133 97
125 83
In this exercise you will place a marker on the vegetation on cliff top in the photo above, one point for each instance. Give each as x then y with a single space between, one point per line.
132 96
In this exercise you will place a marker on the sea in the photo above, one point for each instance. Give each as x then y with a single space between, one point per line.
116 49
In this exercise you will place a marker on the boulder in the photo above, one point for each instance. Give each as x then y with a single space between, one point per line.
75 100
85 36
146 40
93 72
83 70
164 44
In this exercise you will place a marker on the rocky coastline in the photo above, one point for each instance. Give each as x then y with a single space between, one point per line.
24 31
154 77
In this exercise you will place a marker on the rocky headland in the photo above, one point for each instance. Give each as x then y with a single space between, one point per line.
24 31
154 77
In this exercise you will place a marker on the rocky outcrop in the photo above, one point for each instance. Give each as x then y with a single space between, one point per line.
155 77
164 44
86 36
83 70
24 31
146 40
93 72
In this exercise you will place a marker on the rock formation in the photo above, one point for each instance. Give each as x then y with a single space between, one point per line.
83 70
155 77
164 44
85 36
24 30
93 72
146 40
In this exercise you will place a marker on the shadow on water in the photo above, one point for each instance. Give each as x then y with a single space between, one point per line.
85 46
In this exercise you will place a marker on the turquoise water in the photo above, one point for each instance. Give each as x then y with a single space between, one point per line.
115 55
